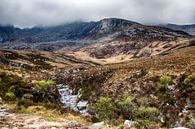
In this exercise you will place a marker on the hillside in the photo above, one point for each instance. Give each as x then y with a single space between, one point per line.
106 29
79 34
117 72
126 50
168 105
139 78
190 29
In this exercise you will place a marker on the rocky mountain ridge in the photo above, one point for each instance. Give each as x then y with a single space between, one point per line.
103 30
190 29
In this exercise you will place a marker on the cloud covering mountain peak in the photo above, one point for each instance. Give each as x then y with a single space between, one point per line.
27 13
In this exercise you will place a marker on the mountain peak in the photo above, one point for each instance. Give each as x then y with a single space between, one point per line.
112 24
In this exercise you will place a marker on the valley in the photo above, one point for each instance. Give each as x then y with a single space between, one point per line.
112 73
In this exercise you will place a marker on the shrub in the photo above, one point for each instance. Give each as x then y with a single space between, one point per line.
146 113
125 106
43 84
25 103
189 80
51 118
45 91
164 82
86 92
10 96
105 108
143 123
12 86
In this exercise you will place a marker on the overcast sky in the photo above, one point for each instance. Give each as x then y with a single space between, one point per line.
26 13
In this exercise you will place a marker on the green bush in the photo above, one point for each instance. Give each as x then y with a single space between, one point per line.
190 80
44 84
144 123
10 96
12 86
105 108
46 91
146 113
164 82
125 106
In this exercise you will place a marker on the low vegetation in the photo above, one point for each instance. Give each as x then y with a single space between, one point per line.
152 92
108 108
164 82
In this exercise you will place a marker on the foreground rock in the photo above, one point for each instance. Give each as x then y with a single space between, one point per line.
129 124
71 101
97 125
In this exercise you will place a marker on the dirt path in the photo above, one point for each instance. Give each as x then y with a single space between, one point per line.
11 120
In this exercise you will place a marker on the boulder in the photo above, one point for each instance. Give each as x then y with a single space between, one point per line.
82 105
27 96
97 125
129 124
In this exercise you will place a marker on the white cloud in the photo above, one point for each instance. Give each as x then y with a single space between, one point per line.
53 12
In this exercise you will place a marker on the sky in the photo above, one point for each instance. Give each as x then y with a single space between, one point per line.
28 13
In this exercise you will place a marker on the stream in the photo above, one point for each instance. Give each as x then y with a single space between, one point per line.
71 101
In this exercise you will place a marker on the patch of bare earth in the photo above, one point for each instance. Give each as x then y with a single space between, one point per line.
11 120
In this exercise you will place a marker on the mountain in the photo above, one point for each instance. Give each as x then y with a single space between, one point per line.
186 28
10 33
109 40
103 30
115 71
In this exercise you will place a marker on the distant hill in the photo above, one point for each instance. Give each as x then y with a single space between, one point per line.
186 28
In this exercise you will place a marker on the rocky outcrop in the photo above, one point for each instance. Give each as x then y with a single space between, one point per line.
71 101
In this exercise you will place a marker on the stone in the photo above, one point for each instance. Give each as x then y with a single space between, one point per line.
71 100
97 125
180 128
27 96
129 123
82 105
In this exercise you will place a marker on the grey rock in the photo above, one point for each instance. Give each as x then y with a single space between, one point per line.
27 96
71 101
129 123
97 125
82 105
